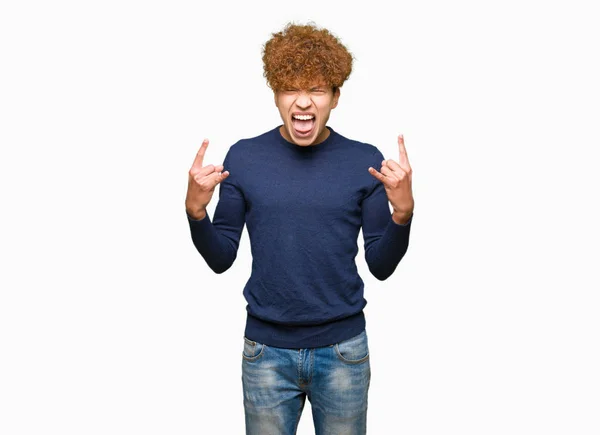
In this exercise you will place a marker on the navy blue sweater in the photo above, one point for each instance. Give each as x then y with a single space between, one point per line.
304 207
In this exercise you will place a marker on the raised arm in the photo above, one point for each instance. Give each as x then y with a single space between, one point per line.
386 234
217 240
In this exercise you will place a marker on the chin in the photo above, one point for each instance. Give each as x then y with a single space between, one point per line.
305 141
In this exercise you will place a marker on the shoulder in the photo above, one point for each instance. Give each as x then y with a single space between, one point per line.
248 146
363 149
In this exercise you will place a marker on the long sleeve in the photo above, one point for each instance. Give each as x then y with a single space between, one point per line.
386 241
218 240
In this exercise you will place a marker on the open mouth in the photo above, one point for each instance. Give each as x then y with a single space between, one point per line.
303 124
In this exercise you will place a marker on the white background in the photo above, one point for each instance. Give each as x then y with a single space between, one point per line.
110 320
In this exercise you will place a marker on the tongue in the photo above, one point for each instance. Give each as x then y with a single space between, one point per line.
303 126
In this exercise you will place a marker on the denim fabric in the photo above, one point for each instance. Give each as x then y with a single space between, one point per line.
335 378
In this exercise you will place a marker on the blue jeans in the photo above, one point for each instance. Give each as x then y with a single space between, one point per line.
335 378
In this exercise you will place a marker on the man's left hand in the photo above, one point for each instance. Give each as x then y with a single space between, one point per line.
397 180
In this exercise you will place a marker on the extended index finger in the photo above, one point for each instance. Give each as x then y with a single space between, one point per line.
403 154
200 155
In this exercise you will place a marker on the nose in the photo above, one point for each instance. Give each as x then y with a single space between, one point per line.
303 101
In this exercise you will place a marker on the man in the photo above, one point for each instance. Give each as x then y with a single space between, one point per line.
304 191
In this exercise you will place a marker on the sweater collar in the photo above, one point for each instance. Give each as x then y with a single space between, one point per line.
310 148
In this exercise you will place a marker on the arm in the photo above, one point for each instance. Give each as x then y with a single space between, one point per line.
386 241
218 240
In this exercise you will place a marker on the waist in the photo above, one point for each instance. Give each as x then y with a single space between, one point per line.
304 336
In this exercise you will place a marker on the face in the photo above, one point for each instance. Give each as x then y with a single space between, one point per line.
305 113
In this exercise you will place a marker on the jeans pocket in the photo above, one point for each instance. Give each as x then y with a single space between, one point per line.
354 350
253 350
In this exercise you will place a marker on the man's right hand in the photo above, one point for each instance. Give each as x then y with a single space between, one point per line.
201 184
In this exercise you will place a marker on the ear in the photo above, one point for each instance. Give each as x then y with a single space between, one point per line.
336 96
275 98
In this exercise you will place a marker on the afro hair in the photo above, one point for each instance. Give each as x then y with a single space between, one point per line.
302 55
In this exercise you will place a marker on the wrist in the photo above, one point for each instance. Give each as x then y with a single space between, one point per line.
401 218
197 215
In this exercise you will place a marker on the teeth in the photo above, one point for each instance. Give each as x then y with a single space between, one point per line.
303 117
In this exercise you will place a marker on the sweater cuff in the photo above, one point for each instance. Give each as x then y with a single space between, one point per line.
402 225
197 222
396 232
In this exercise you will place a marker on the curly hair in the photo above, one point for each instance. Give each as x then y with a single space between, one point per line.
301 55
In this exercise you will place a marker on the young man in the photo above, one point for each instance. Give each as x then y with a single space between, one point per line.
304 192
